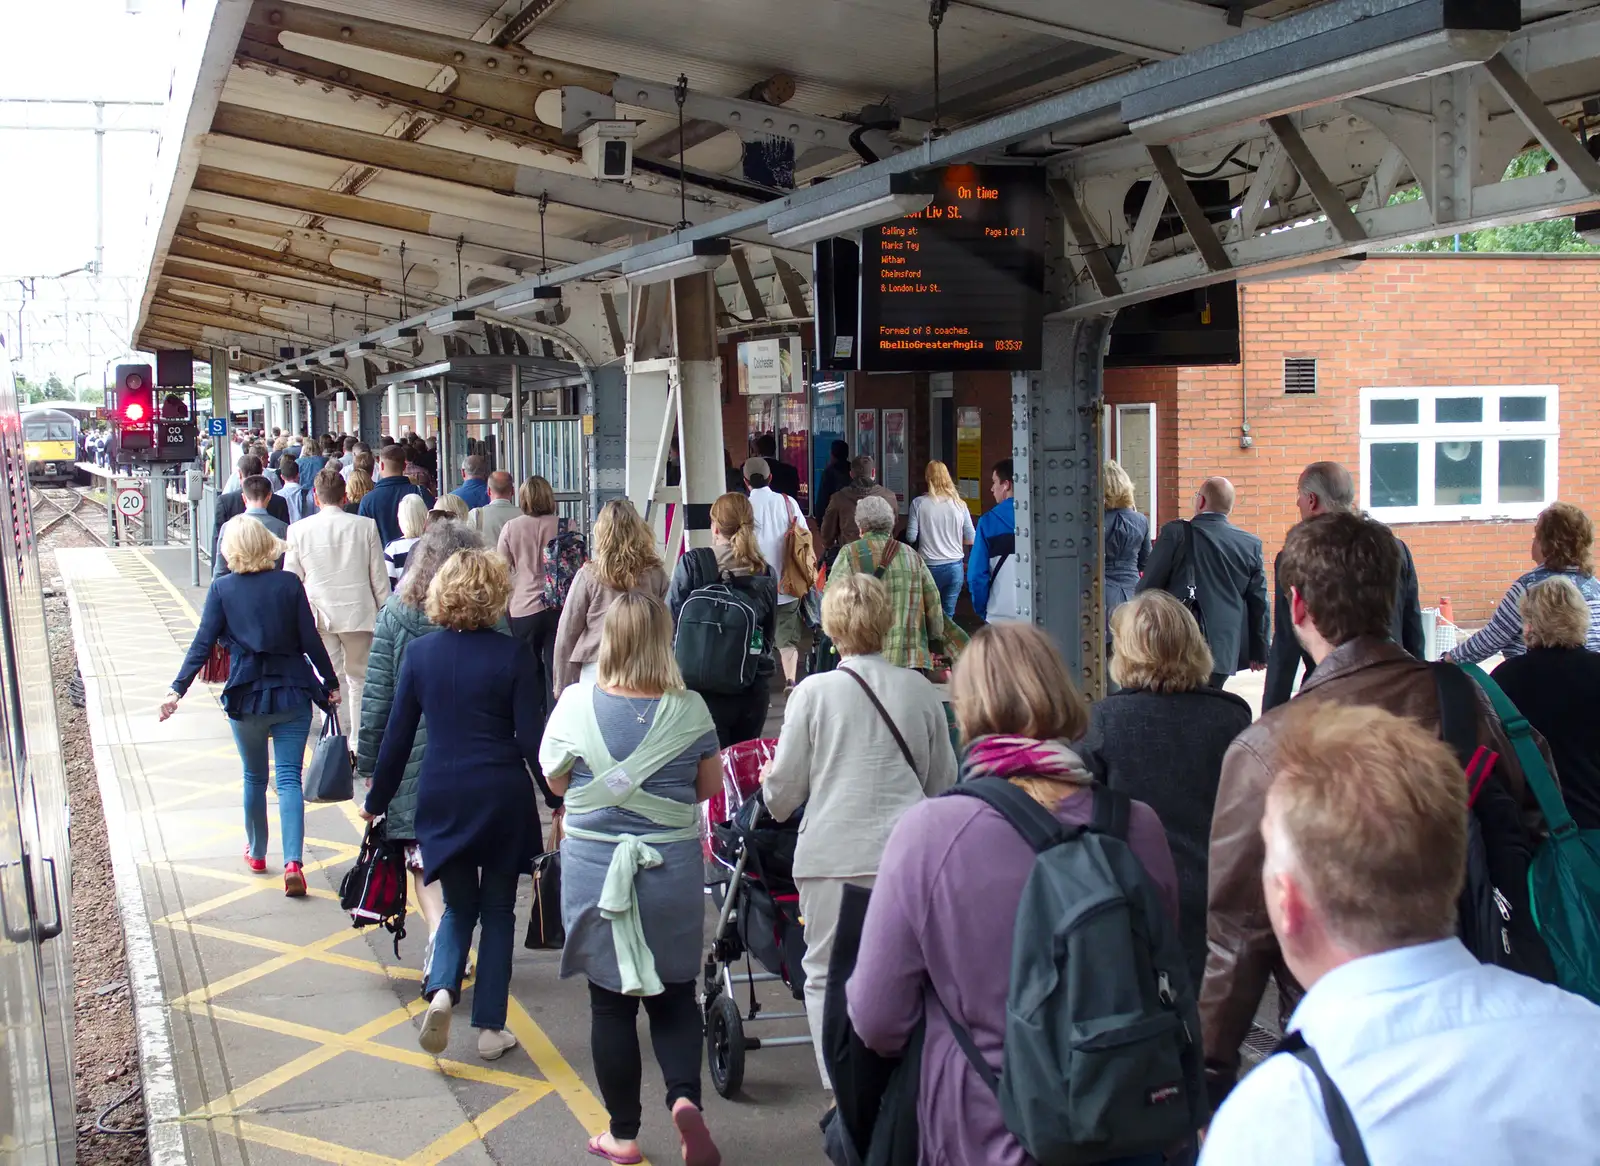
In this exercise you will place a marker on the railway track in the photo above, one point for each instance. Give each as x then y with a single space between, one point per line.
53 505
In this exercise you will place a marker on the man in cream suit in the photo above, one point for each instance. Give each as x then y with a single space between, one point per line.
339 557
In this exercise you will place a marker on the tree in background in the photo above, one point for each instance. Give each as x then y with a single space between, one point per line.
1548 235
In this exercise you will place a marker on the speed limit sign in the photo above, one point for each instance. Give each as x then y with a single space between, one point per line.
130 501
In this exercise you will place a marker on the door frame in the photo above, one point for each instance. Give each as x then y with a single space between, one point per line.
1154 451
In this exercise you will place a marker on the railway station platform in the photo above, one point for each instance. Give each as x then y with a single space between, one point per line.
270 1030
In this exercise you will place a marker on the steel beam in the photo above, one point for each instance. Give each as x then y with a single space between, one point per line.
747 284
492 62
1328 198
523 20
273 59
1554 136
402 218
635 203
1090 248
794 291
1152 29
1201 232
204 250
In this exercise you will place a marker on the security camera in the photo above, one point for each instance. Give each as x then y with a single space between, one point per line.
235 352
608 149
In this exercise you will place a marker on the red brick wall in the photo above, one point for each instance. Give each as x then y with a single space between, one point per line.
1157 386
1409 320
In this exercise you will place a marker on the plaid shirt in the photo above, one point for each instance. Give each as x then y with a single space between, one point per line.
913 598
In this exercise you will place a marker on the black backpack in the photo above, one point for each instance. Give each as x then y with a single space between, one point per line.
719 642
1494 915
1102 1056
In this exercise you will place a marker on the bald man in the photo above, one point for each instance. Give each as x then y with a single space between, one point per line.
1223 566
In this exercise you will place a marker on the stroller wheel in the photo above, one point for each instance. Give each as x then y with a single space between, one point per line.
725 1045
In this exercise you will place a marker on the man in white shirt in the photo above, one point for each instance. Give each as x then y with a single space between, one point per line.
1427 1057
296 496
340 559
774 512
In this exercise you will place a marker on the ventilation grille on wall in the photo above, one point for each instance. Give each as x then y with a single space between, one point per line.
1299 374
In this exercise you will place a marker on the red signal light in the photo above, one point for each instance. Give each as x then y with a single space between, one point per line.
134 412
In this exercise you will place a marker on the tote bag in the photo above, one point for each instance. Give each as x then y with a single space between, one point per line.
545 929
329 777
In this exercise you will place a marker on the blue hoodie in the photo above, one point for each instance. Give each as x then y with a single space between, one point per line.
993 543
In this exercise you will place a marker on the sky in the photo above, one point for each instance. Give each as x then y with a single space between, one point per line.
76 50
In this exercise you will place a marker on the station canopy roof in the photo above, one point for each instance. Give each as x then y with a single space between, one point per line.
333 168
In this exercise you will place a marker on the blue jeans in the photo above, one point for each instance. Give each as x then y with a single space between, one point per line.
948 576
468 903
287 731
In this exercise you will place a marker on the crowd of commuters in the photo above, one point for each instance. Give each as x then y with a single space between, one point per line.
494 658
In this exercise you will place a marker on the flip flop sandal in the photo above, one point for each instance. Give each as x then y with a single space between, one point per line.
600 1152
698 1148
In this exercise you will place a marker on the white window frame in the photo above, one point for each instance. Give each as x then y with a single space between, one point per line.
1427 434
1123 411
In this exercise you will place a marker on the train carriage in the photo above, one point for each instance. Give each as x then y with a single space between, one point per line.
50 445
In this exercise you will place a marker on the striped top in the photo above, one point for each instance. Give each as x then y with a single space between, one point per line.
394 558
1504 633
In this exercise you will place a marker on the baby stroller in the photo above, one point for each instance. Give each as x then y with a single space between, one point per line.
749 865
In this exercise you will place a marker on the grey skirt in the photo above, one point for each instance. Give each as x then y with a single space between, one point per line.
671 907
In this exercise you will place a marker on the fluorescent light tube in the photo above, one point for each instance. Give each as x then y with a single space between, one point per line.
675 262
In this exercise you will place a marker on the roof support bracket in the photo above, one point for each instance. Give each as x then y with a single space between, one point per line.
1327 195
1552 135
1089 246
1194 219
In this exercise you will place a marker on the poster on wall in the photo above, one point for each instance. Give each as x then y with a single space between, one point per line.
794 424
969 457
771 366
895 471
827 427
866 440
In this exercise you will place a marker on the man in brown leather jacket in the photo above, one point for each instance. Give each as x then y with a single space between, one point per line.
1340 571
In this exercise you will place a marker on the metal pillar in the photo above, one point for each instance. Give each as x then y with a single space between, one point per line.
1056 451
607 410
694 327
392 401
222 447
424 416
369 413
519 430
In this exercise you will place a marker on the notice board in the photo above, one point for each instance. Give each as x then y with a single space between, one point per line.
969 457
960 284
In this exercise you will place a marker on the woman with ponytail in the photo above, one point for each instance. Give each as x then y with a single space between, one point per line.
734 560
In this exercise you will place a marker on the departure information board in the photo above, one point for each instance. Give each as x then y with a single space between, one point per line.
959 285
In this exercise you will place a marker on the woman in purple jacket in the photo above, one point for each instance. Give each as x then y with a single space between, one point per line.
951 879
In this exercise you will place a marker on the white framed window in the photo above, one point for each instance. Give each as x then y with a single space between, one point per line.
1456 453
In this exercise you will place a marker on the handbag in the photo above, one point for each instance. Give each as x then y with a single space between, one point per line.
545 929
1187 590
217 666
374 889
330 777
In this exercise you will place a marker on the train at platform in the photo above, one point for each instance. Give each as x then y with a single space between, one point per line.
38 1120
52 445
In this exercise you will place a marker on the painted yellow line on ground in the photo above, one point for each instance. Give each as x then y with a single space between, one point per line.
354 963
302 1144
216 988
349 1042
265 885
585 1106
160 577
474 1129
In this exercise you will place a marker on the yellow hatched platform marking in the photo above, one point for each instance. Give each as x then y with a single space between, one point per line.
230 1113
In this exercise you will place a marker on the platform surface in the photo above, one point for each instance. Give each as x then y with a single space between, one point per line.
273 1032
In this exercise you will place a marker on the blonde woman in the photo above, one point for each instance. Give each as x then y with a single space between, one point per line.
522 544
450 506
940 526
734 560
939 928
624 559
356 487
476 821
1127 539
1556 685
262 616
634 753
840 755
1161 738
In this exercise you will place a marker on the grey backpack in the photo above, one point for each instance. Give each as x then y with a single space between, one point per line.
1102 1055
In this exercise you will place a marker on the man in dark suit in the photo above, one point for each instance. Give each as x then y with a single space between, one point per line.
1325 488
232 503
1230 577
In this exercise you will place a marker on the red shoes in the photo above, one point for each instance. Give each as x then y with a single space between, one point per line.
259 865
294 880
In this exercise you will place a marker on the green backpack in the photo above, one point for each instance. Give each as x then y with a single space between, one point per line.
1564 876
